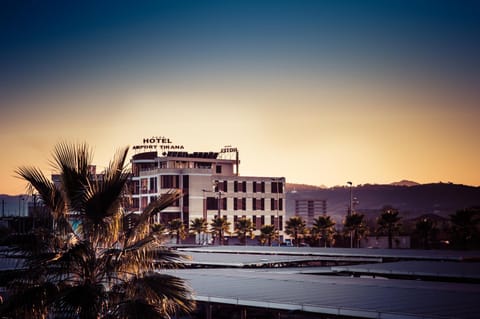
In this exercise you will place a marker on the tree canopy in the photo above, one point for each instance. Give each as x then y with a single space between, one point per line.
88 265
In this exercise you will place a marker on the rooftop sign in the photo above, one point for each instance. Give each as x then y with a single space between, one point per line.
157 143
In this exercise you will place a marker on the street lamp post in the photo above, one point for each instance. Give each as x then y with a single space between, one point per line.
204 204
219 203
350 212
351 199
219 200
277 221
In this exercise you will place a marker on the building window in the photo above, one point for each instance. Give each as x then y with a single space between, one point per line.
221 186
136 188
169 181
280 222
277 187
144 185
240 187
212 203
135 203
186 182
258 222
239 203
218 169
144 201
276 204
153 185
258 203
259 187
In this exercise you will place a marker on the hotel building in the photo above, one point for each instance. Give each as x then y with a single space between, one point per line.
211 185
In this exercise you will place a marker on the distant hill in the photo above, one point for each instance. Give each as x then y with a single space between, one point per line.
414 200
292 187
404 183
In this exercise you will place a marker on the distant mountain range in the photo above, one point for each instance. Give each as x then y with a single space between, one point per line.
410 198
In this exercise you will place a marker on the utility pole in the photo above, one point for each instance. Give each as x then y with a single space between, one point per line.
350 213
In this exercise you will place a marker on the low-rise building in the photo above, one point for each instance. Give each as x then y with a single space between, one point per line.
310 209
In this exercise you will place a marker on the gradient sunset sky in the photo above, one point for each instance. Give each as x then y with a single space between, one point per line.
320 92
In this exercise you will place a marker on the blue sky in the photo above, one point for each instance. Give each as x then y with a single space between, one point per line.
343 67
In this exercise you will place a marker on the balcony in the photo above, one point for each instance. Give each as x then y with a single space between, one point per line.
175 171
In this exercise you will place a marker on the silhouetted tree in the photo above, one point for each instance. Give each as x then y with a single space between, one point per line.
244 227
220 226
389 223
176 228
295 226
355 227
464 227
96 269
426 230
198 226
268 234
323 228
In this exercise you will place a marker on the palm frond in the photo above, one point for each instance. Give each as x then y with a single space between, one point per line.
81 301
171 293
73 161
141 229
50 194
103 200
34 299
138 309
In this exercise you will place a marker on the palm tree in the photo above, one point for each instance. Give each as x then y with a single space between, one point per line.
425 228
295 226
176 228
355 227
268 234
464 227
244 227
199 226
388 223
97 269
220 226
323 227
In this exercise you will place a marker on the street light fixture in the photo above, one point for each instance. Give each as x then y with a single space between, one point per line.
351 199
350 212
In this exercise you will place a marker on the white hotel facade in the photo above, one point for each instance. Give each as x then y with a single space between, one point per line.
210 184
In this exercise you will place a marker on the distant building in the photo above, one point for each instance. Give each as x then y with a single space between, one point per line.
309 209
210 184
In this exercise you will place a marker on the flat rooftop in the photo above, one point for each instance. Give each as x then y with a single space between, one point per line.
417 269
263 277
384 254
330 295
